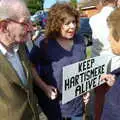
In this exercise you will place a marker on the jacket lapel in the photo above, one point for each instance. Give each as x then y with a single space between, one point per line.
25 62
8 71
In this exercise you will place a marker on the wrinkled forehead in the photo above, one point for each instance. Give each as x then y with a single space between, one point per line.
21 15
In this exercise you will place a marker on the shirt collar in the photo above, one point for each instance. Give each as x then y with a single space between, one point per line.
5 52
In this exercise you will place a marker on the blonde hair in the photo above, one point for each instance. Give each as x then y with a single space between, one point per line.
114 23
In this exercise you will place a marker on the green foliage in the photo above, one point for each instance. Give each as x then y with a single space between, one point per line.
74 3
35 5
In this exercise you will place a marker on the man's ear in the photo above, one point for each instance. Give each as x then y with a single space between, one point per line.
3 26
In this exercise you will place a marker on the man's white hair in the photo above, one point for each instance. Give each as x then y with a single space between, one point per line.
14 9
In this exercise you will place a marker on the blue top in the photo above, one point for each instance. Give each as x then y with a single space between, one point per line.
111 110
52 57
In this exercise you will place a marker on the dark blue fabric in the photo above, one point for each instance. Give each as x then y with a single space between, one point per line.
111 110
51 58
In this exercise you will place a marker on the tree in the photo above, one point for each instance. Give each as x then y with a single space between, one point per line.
74 3
35 5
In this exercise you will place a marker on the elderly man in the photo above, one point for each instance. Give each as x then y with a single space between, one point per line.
17 100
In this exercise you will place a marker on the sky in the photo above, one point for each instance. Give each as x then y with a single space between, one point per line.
49 3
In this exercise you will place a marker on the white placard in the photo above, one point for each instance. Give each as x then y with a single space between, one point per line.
83 76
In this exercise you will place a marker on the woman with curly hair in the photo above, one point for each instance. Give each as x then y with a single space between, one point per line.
61 47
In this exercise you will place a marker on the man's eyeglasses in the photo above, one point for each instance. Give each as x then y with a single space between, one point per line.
26 25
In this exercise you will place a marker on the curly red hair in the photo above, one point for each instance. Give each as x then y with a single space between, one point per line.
56 17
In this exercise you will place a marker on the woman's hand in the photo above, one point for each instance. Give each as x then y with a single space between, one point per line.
51 92
109 79
86 97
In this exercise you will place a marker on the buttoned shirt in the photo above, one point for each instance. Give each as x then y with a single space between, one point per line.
14 59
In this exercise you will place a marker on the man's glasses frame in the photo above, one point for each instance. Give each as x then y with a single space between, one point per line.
27 25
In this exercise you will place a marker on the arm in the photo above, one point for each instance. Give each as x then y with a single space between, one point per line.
35 57
49 90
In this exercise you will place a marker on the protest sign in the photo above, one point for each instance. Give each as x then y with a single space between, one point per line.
83 76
